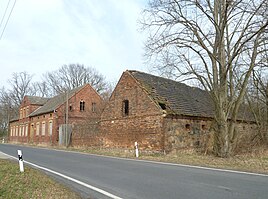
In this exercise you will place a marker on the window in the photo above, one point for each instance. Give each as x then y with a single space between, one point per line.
22 130
26 130
187 126
162 105
94 107
70 108
43 128
82 105
125 108
20 113
50 128
27 111
37 128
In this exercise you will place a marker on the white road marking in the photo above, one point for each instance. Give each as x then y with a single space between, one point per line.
69 178
156 162
166 163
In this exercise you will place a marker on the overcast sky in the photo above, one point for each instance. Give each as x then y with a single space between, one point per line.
43 35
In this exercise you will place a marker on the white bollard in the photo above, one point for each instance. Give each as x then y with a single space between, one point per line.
136 149
3 140
20 161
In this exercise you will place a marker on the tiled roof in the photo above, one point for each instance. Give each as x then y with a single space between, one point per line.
34 100
179 98
14 119
55 102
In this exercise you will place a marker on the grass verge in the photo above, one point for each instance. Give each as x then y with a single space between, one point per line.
256 161
29 184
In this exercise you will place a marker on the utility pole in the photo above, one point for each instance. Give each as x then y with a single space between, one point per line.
8 121
66 118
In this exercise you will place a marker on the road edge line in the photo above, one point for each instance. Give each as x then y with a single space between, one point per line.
69 178
166 163
155 162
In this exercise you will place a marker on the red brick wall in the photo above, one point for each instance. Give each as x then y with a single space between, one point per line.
87 94
143 124
22 123
77 117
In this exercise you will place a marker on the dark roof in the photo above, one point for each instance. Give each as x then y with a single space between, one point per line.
55 102
14 119
178 98
37 100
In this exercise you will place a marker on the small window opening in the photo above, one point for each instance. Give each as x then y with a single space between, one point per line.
70 108
126 107
162 105
82 105
94 107
187 126
197 143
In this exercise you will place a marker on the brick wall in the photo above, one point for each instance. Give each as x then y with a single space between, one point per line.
83 122
23 124
142 124
87 134
53 119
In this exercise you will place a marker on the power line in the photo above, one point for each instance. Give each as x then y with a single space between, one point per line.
8 19
4 14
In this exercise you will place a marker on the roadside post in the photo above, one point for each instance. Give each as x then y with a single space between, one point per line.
20 161
136 150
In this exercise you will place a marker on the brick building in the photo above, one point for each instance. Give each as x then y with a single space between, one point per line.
19 126
159 113
42 120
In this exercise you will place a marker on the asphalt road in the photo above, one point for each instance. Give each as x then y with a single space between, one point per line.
138 179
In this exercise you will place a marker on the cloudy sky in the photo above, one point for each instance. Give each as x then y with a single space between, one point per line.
43 35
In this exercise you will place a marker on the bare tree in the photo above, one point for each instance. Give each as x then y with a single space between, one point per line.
74 75
41 89
7 111
20 86
216 42
258 95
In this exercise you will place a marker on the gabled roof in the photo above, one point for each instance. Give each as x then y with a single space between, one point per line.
180 99
35 100
55 102
14 119
177 98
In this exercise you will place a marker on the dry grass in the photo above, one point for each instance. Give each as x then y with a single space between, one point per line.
256 161
30 184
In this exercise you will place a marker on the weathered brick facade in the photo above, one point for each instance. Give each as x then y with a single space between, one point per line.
19 127
163 115
142 124
42 124
159 114
187 132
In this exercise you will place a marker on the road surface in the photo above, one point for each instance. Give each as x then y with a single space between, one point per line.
124 178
